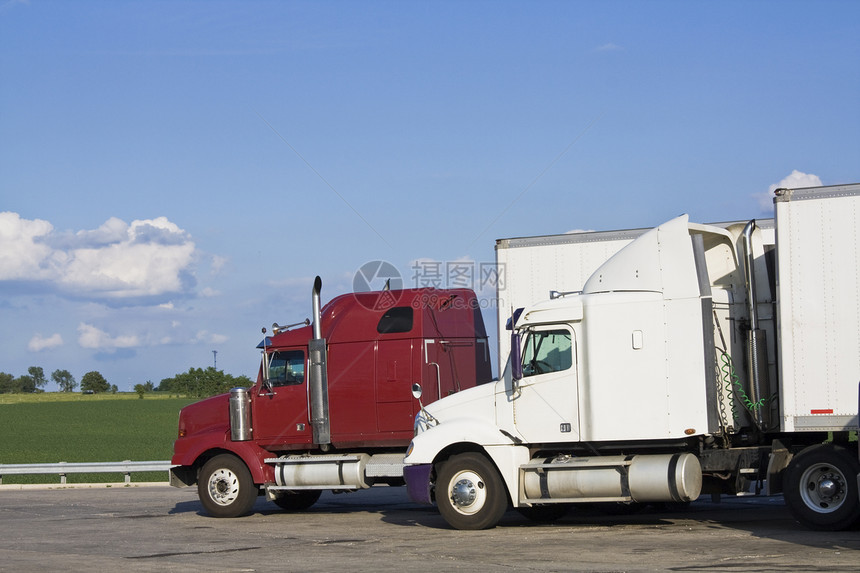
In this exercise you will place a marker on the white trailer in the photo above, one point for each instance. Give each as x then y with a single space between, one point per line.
532 269
669 374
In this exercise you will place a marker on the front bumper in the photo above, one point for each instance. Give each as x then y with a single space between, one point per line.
182 476
418 482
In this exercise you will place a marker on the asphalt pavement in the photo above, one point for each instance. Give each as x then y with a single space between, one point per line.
161 528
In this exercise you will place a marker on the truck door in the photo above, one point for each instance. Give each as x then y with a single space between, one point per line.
451 365
436 377
280 413
546 405
394 386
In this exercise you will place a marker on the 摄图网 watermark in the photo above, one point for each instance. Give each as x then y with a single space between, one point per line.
477 276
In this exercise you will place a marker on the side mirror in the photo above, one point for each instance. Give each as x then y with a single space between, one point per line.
265 366
516 359
265 359
267 381
423 420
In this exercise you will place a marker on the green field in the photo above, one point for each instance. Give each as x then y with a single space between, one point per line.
72 427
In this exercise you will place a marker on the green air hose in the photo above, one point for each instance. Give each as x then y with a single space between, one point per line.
730 379
734 387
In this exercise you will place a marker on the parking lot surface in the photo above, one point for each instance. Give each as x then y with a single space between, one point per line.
162 528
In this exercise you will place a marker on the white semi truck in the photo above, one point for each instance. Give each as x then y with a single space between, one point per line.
532 269
697 359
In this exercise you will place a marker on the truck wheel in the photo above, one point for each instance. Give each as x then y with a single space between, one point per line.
297 500
821 488
469 492
225 487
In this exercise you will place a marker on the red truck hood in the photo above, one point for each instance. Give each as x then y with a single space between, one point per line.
206 415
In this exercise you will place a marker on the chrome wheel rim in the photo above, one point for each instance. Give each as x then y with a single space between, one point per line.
223 486
823 488
467 492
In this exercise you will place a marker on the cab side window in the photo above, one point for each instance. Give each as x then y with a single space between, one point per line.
287 368
395 320
547 351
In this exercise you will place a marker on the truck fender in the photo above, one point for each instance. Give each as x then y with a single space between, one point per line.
207 447
508 460
426 446
254 457
500 448
777 461
186 451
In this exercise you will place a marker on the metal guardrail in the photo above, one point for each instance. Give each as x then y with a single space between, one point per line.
63 468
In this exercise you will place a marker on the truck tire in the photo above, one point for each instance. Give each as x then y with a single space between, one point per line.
298 500
225 487
821 488
470 493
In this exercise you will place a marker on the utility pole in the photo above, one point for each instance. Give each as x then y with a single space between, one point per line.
215 358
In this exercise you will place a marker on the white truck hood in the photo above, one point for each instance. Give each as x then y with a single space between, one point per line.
475 402
466 417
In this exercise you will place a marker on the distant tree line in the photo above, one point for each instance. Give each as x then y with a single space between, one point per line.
197 383
35 381
142 389
94 382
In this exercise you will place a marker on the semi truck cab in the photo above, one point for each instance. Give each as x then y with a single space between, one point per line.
332 407
692 361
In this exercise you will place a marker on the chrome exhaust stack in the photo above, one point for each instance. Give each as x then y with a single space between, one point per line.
759 385
315 300
318 376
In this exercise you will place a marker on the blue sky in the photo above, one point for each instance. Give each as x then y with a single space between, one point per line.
174 174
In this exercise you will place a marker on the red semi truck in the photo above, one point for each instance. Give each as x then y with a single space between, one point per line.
334 402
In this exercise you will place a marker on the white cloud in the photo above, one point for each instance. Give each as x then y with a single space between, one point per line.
209 338
113 230
218 263
93 337
39 342
796 180
575 231
23 256
148 258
